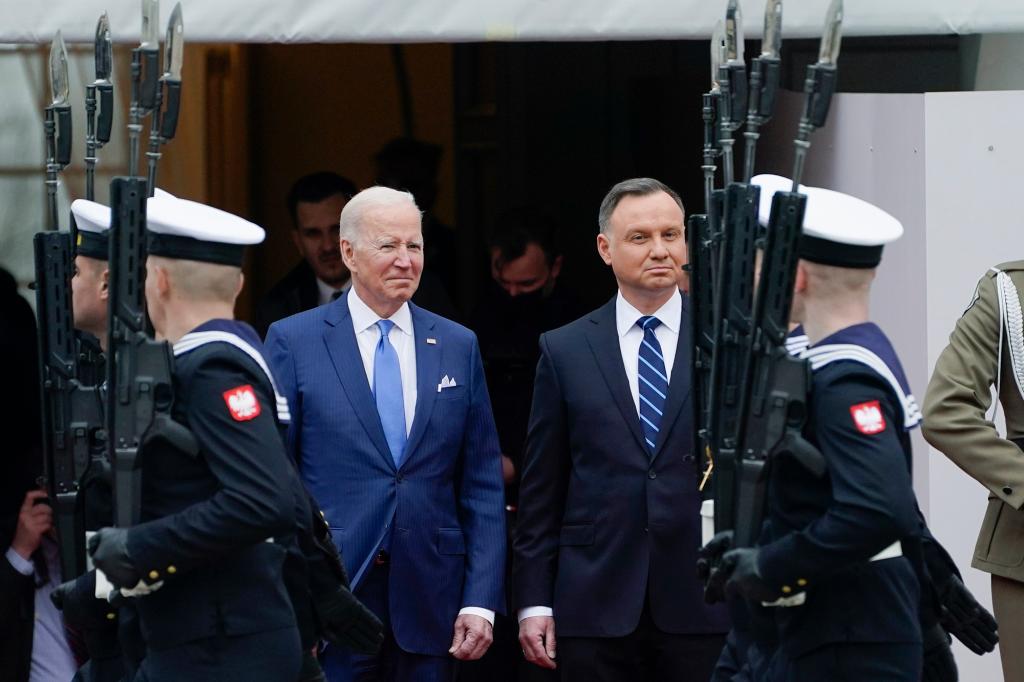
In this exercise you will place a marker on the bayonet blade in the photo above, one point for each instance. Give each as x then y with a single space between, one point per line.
150 29
734 32
174 45
833 35
58 71
717 52
771 43
103 49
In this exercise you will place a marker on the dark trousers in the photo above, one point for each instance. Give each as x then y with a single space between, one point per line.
645 655
273 656
856 662
391 664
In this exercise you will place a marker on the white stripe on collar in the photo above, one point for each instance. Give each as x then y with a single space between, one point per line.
194 340
820 356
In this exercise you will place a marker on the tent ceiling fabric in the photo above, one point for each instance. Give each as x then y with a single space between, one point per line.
310 21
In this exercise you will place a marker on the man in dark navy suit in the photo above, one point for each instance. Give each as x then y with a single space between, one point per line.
608 507
393 432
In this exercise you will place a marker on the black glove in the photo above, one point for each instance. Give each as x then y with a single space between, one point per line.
77 599
939 665
966 619
743 576
345 622
109 551
709 566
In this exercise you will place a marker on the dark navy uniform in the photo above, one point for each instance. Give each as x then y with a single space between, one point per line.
215 528
837 540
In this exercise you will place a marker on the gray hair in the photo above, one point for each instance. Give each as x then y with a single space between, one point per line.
350 223
634 187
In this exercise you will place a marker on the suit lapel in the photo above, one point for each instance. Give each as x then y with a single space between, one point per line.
680 385
603 338
342 348
428 365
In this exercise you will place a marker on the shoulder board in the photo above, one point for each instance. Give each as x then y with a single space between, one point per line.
195 340
820 356
1009 266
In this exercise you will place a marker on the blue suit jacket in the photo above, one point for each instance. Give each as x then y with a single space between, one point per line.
445 501
603 524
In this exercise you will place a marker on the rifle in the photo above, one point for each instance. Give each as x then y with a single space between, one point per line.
98 131
781 382
140 388
168 96
71 411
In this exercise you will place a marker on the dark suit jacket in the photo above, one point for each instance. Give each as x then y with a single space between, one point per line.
297 292
443 504
17 606
603 524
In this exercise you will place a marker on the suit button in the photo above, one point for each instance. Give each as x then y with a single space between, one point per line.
652 474
172 569
400 478
786 589
153 575
1007 490
111 616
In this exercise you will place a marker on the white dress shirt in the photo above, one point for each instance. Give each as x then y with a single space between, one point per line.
630 336
325 292
403 339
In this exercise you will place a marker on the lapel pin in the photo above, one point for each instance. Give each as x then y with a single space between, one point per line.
432 342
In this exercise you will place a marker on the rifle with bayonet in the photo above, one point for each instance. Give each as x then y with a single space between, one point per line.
140 390
145 74
700 265
97 130
781 382
734 282
57 125
164 122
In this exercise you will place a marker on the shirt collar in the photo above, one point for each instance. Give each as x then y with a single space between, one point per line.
669 314
326 291
363 317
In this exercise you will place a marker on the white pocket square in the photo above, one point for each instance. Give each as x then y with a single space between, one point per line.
446 382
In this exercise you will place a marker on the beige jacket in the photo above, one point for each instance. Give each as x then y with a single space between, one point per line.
956 419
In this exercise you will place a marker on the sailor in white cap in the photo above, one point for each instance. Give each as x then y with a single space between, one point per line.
227 591
834 555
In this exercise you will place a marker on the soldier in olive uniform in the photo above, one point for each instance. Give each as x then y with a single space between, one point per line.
986 348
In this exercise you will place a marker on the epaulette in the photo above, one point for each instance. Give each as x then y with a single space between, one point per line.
195 340
1009 266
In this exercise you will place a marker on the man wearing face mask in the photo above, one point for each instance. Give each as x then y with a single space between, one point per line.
524 301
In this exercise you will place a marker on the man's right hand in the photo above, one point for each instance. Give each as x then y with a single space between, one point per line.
537 637
34 520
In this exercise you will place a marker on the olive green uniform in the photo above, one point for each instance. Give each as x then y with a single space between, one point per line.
981 353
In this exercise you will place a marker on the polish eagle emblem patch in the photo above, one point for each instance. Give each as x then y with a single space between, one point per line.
868 417
242 403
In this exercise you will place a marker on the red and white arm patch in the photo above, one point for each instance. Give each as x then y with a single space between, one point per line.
242 403
868 417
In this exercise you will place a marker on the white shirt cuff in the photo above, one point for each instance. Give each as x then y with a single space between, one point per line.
531 611
486 614
20 563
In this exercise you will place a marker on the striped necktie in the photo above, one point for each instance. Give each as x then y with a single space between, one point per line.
653 381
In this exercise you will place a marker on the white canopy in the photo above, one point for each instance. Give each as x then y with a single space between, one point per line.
286 21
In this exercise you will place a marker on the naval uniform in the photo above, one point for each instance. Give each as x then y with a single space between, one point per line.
214 526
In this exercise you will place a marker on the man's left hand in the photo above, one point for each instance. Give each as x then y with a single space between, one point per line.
109 550
473 636
745 577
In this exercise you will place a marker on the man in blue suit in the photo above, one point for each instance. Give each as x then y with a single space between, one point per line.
608 505
393 433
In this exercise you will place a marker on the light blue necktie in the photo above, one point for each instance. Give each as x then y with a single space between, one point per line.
653 381
387 391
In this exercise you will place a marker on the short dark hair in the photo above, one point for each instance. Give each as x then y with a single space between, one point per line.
516 228
316 187
636 187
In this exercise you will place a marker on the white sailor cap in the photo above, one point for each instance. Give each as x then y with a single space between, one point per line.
838 229
92 220
188 230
